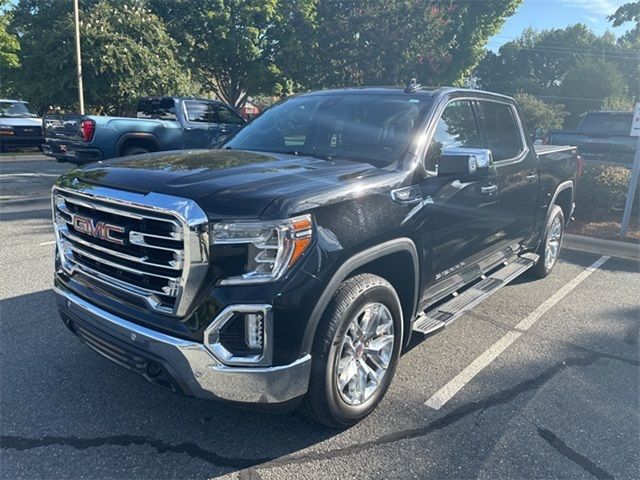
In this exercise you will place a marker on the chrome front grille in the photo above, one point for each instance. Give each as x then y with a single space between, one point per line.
152 246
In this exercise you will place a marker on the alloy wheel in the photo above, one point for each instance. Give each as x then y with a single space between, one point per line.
552 247
365 353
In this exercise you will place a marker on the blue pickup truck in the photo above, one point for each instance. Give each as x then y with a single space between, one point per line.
600 137
161 123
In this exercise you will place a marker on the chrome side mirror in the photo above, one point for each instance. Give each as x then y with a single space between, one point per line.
464 162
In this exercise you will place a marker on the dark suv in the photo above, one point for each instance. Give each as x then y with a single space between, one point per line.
293 265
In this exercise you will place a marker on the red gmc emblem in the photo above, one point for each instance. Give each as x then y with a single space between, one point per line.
101 230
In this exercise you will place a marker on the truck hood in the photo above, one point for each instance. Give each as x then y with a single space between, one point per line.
21 121
235 183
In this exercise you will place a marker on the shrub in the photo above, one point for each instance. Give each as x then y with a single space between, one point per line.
602 192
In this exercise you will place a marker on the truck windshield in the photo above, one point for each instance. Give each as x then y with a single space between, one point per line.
609 123
15 110
369 128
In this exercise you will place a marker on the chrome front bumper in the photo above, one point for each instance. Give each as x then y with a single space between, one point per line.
190 367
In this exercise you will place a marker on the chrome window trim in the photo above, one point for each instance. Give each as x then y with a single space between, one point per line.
191 217
523 139
434 118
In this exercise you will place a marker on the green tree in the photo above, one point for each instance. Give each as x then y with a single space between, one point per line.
629 12
378 42
537 61
126 53
9 50
228 44
586 86
540 115
9 45
618 104
547 64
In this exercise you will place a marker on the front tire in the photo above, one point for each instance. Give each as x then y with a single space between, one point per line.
355 352
551 245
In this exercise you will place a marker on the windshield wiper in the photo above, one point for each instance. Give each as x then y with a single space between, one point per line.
299 153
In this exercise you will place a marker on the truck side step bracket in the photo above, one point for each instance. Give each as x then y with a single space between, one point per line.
443 314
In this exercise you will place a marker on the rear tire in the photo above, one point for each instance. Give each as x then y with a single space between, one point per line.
357 346
134 151
549 249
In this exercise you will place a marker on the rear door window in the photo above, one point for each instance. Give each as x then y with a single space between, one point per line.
223 114
157 108
199 112
457 128
500 129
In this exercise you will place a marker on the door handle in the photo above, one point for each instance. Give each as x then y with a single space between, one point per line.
411 195
489 189
532 178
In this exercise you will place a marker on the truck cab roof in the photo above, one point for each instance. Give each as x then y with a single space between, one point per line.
421 90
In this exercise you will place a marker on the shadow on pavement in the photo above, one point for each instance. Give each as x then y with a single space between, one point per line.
81 400
57 392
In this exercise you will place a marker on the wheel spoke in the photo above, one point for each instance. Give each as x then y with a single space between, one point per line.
361 383
347 346
379 350
368 323
356 328
347 373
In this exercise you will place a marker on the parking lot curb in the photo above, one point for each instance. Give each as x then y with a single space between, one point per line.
614 248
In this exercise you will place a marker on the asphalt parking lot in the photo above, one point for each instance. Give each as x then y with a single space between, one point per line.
541 380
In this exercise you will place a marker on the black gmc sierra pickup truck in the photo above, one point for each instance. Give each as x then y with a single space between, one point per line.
291 266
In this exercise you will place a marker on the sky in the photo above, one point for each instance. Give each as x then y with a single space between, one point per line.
543 14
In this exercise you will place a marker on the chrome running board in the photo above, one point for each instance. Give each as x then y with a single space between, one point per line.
443 314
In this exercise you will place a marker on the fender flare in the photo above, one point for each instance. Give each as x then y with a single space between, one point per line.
352 264
136 136
559 189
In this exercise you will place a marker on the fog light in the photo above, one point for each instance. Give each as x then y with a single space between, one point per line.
242 335
253 327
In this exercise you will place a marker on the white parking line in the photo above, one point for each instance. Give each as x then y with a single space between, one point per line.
46 243
446 393
29 174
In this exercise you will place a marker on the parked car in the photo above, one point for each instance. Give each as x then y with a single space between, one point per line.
19 128
600 136
293 265
161 123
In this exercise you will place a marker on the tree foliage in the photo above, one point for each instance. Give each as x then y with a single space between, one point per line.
227 43
587 85
618 104
572 66
9 45
540 115
236 48
383 42
629 12
126 53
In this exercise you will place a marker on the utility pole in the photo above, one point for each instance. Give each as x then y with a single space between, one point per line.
76 16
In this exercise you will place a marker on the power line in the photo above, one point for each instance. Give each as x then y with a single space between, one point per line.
569 51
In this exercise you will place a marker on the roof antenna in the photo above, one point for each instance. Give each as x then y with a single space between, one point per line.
412 86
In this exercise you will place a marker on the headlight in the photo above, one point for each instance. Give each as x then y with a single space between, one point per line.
6 130
272 247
